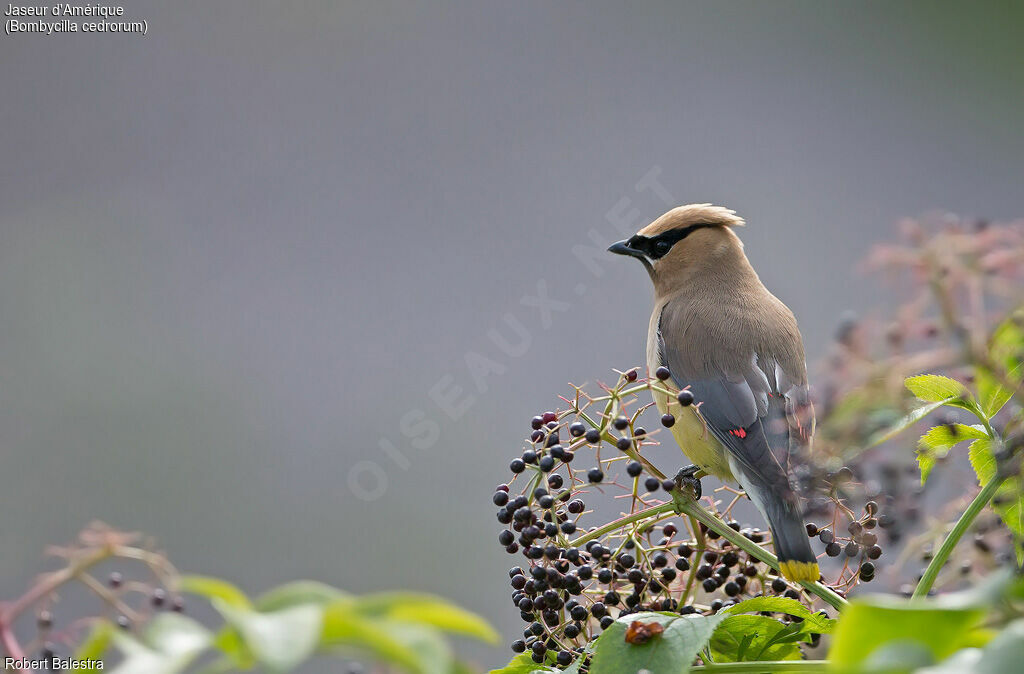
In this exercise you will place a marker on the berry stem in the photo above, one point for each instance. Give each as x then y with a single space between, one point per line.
686 505
691 576
11 645
658 511
608 437
50 583
765 666
954 536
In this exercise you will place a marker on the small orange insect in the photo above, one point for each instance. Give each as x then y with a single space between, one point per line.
640 633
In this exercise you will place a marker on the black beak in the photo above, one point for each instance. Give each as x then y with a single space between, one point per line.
623 248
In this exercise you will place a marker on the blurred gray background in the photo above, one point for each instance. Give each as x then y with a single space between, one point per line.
235 252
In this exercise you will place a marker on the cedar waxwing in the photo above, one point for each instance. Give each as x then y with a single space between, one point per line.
719 331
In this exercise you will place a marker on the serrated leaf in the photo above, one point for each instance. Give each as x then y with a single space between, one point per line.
813 622
425 609
670 653
992 395
934 388
215 588
281 639
1006 347
298 592
743 638
925 463
939 440
983 460
904 423
948 435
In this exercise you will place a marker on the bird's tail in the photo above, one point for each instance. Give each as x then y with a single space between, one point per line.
780 506
796 559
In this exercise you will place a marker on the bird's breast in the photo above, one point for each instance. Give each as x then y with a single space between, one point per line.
689 430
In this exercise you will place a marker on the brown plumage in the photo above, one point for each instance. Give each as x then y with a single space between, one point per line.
723 334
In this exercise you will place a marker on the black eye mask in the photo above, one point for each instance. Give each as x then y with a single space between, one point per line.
657 247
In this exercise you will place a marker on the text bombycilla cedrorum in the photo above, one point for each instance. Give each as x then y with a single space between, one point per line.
719 331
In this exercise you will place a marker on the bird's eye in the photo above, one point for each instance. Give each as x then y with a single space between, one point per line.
662 247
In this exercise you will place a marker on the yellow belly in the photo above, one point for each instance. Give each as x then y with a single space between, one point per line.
693 437
689 430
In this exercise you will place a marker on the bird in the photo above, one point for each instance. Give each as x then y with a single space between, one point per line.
735 389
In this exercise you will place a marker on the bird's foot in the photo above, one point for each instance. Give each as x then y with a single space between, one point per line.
687 478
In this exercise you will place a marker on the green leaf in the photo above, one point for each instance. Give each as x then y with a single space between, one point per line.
672 652
939 440
904 423
298 592
925 463
948 435
1006 352
871 623
215 588
95 645
983 460
425 609
1006 347
897 657
992 395
524 664
431 647
278 639
813 622
229 642
742 638
170 643
574 668
934 388
382 639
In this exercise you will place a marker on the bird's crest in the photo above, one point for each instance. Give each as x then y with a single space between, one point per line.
692 214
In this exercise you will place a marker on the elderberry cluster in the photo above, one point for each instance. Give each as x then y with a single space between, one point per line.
580 570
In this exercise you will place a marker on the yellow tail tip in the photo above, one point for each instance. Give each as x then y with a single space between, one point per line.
797 571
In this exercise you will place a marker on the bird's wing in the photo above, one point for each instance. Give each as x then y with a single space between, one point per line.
748 401
749 384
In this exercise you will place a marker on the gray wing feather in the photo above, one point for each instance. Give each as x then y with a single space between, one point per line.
744 401
754 408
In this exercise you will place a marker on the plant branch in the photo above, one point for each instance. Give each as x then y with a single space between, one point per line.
607 436
50 583
701 545
654 511
766 666
10 643
690 507
954 536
